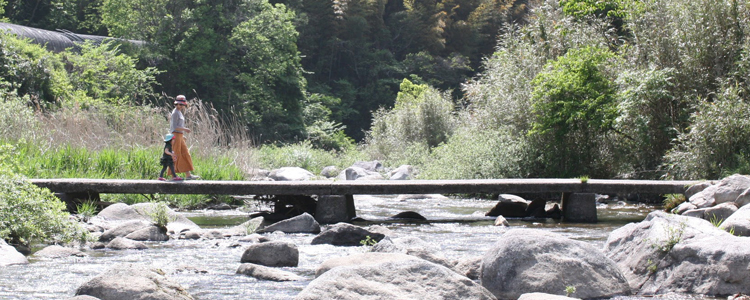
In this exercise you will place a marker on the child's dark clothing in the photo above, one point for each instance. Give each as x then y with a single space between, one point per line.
166 159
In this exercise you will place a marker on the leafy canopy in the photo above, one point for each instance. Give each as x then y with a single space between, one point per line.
574 93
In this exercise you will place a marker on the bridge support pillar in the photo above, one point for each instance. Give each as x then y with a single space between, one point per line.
579 207
335 208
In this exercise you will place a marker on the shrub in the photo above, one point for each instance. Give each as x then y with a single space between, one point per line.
29 214
478 154
422 116
715 146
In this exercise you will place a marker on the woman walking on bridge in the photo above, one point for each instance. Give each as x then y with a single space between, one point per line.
184 163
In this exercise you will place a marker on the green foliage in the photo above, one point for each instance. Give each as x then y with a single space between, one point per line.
583 8
321 132
652 266
478 154
584 179
86 210
102 73
31 71
649 113
422 116
29 214
569 290
673 237
715 145
368 242
574 94
159 214
671 201
305 156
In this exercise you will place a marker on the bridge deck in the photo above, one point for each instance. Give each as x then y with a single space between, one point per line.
374 187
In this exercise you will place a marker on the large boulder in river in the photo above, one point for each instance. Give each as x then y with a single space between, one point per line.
345 234
399 279
123 229
304 223
676 254
413 246
272 254
121 243
357 173
509 206
360 259
118 213
291 174
267 273
133 281
531 260
10 256
728 189
56 251
738 223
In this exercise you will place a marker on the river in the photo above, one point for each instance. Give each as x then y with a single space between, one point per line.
206 268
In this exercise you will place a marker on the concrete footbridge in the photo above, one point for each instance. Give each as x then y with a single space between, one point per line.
335 202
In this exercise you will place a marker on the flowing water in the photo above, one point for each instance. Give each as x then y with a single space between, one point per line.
206 268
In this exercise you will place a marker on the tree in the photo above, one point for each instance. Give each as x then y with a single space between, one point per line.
574 103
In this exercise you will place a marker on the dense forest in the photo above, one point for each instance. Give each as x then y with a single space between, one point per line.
458 88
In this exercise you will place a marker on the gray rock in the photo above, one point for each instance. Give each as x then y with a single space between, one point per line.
683 207
403 172
470 267
704 198
266 273
247 227
56 251
675 254
133 281
357 173
738 223
272 254
697 188
543 296
361 259
731 187
344 234
121 243
373 166
413 246
409 215
84 297
695 213
304 223
743 199
501 221
120 212
123 229
177 224
530 260
509 206
720 212
403 279
149 233
291 174
254 238
10 256
330 172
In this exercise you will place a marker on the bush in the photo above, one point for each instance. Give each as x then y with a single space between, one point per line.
478 154
716 144
422 118
29 214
